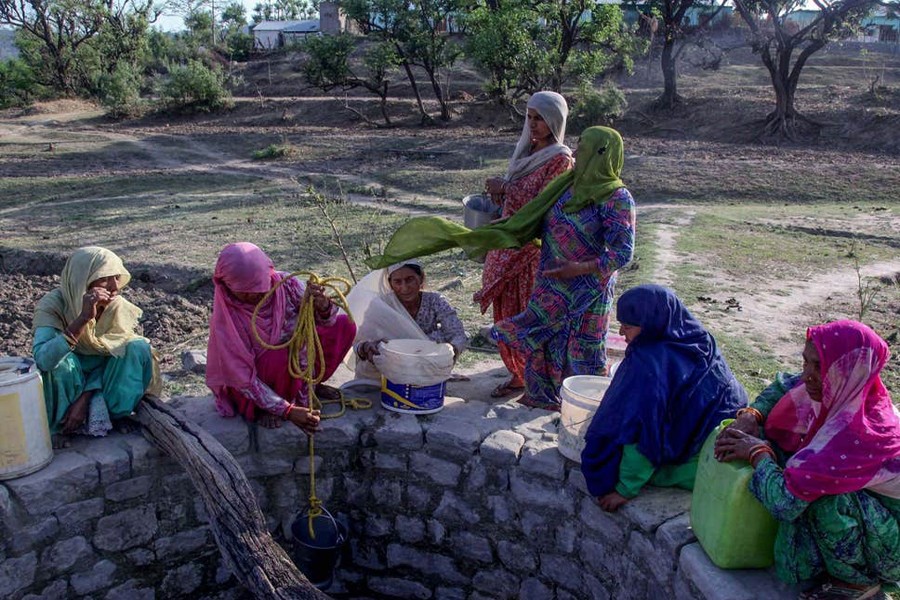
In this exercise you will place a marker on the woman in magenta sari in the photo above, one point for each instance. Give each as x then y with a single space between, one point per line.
246 378
825 447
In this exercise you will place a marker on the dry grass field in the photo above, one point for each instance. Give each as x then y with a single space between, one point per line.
792 232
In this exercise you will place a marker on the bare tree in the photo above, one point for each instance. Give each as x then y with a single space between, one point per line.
776 35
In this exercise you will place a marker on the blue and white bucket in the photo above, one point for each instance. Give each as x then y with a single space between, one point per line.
414 375
412 399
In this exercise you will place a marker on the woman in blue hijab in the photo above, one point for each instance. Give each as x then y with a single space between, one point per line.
671 390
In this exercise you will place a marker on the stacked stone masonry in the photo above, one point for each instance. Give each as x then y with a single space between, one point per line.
472 503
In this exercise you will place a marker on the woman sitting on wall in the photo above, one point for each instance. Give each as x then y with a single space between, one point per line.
247 378
94 365
671 390
390 304
825 448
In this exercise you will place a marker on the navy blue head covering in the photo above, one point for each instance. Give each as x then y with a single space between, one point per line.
670 392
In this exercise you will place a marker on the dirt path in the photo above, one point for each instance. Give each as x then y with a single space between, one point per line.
776 317
666 255
771 317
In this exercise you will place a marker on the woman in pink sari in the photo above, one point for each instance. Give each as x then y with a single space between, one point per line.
825 447
248 379
509 274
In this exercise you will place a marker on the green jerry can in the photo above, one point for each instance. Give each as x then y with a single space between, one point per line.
734 529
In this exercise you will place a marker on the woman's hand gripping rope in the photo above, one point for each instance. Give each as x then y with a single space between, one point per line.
305 338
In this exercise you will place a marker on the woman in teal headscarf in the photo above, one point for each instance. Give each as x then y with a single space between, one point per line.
585 220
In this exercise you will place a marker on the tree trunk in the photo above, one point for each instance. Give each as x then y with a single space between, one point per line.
669 96
439 94
383 95
426 118
237 523
781 121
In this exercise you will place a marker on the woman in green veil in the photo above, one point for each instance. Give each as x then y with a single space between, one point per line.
585 221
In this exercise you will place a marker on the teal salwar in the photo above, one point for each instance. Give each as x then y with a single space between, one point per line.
119 381
853 537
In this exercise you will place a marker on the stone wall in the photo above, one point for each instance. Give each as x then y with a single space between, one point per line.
474 502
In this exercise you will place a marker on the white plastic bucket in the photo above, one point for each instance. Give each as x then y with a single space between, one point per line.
581 396
414 375
25 445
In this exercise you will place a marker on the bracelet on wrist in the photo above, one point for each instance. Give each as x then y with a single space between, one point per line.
747 410
759 450
287 412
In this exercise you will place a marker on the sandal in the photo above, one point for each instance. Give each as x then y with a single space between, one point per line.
839 590
505 389
530 403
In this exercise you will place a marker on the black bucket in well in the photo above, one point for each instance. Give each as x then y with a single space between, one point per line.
317 556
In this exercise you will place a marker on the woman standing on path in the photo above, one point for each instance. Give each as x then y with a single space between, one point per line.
585 220
588 234
509 273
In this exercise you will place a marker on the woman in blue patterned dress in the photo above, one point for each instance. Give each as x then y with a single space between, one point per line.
588 235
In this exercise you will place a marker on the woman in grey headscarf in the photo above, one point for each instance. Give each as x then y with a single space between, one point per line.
509 274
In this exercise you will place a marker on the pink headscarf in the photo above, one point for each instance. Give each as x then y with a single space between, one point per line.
233 349
853 442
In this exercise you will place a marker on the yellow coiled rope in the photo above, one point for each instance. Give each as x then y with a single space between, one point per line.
305 339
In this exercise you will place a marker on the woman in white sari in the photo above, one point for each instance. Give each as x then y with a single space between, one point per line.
389 304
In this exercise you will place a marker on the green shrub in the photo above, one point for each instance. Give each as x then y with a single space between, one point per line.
272 151
594 107
120 92
194 87
18 86
239 45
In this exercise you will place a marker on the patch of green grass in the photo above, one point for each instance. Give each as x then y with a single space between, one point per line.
756 251
735 179
22 192
437 182
642 267
276 151
754 368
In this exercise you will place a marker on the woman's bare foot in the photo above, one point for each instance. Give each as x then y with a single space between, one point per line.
77 413
60 441
269 421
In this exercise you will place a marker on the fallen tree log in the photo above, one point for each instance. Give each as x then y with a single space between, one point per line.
237 522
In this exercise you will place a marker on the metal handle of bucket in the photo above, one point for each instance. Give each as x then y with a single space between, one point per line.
324 512
19 366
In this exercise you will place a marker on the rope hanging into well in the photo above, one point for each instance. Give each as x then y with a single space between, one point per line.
305 339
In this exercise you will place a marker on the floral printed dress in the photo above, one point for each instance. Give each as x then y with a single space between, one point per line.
509 274
562 330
